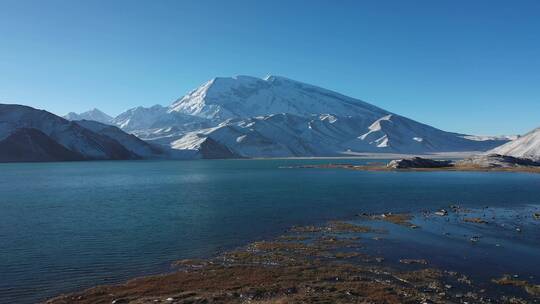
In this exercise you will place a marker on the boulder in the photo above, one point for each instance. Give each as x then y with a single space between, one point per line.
418 162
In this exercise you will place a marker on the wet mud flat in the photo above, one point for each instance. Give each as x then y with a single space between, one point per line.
451 255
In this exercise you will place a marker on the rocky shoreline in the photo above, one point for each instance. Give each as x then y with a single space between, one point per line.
330 263
487 163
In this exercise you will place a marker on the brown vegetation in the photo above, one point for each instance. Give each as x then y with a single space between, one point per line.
531 289
311 265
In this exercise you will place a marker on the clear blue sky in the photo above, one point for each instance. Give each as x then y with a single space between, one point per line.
469 66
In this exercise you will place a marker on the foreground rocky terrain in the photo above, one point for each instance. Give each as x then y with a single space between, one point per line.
331 263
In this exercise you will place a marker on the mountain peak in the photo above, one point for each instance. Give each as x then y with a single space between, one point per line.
277 78
246 96
95 110
92 114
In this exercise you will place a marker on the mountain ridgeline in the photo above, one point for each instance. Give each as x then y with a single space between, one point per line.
279 117
526 146
28 134
230 117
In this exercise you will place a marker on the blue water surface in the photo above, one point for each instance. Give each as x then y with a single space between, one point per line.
68 226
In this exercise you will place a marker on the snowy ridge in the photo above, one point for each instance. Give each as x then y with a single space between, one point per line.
285 135
526 146
94 114
246 96
487 137
276 116
38 135
139 118
144 122
129 141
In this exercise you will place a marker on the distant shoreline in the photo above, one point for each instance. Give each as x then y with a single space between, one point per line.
451 169
452 155
352 156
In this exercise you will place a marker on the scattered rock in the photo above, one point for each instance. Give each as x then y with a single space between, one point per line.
312 264
396 218
194 263
441 212
413 261
418 162
475 239
455 208
475 220
463 279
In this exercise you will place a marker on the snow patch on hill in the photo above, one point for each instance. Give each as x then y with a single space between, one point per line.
286 135
526 146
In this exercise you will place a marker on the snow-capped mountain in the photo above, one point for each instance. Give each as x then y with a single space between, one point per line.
245 96
28 134
284 135
526 146
94 114
139 118
129 141
147 122
275 116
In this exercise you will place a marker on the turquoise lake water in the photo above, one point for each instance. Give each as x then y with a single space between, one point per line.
67 226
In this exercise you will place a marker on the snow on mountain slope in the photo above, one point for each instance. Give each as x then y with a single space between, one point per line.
203 147
27 144
129 141
94 114
488 137
285 135
245 96
68 134
139 118
526 146
148 120
399 134
277 116
244 139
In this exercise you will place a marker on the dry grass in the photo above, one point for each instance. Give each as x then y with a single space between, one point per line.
531 289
